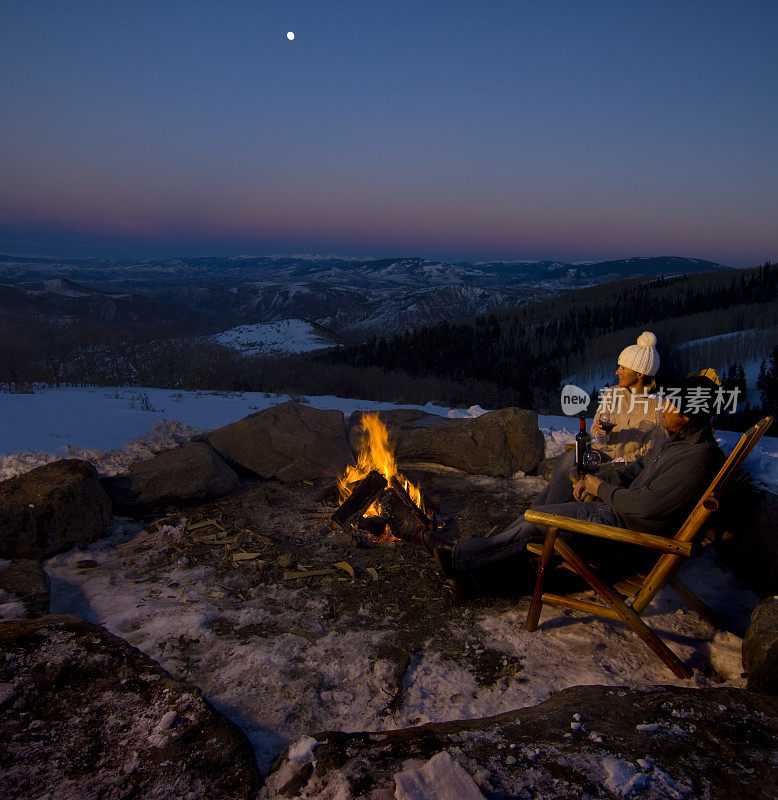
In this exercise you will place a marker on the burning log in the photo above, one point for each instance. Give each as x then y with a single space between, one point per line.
375 526
402 493
390 501
360 499
403 523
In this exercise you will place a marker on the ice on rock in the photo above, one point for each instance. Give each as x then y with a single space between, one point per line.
302 749
166 723
621 777
441 778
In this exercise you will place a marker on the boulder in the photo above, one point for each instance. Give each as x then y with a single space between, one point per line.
547 466
84 715
499 443
29 583
51 508
747 542
760 648
290 442
191 473
583 742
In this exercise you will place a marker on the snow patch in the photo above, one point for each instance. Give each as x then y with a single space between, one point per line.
440 778
285 336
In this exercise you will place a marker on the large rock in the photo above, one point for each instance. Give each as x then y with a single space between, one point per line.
84 715
290 442
499 443
191 473
28 582
760 648
748 521
51 508
584 742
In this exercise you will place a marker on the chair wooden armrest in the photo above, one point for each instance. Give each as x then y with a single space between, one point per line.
609 532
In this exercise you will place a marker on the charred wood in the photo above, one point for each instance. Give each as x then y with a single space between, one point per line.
359 500
403 522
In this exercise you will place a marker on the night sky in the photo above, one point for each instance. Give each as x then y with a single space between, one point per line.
459 130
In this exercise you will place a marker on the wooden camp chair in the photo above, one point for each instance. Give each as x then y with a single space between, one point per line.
641 588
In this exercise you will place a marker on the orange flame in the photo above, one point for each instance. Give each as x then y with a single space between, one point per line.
375 453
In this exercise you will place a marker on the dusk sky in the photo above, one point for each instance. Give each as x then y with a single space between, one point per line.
571 130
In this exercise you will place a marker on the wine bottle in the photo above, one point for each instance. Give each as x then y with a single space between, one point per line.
582 441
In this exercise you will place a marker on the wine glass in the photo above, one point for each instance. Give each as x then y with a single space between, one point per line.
606 423
592 460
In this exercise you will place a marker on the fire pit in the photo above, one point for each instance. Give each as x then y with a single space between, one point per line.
376 500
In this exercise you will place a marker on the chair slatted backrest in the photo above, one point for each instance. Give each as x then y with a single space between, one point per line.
667 565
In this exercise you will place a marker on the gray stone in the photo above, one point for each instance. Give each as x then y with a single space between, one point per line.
547 466
29 582
51 508
290 442
499 443
191 473
84 715
760 647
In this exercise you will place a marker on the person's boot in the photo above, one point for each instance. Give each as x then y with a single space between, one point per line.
441 549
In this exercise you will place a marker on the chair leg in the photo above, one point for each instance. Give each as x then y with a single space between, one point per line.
537 596
695 603
627 615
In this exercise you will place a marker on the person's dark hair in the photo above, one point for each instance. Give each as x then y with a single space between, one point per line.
696 400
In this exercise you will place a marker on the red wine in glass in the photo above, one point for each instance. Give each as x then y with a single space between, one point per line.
606 423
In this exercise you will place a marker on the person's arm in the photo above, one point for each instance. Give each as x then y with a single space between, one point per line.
670 489
623 474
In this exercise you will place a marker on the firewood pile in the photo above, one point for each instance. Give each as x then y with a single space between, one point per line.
379 509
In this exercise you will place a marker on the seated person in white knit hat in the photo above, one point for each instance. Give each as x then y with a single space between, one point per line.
633 410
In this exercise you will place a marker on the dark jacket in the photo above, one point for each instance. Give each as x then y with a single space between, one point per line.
656 493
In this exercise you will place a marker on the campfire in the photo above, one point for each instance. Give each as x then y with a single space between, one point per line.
375 499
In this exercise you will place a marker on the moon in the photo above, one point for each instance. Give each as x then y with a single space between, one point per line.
290 35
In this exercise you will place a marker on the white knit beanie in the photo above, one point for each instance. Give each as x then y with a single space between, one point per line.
641 357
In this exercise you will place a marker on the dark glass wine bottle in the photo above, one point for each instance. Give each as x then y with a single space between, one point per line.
582 441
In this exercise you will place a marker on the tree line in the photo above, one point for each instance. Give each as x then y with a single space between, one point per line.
524 353
512 357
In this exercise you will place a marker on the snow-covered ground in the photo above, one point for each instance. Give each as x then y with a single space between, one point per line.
113 427
269 338
110 584
309 677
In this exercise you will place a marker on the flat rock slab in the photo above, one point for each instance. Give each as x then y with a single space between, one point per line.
52 508
83 715
191 473
290 442
500 443
584 742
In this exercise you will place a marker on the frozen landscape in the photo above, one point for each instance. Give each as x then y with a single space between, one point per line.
285 658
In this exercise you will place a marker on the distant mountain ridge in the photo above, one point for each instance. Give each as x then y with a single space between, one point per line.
354 298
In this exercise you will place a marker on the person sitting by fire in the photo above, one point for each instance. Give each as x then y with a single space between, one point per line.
652 494
631 407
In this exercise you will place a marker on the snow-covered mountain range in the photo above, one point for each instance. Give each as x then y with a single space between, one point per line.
354 298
